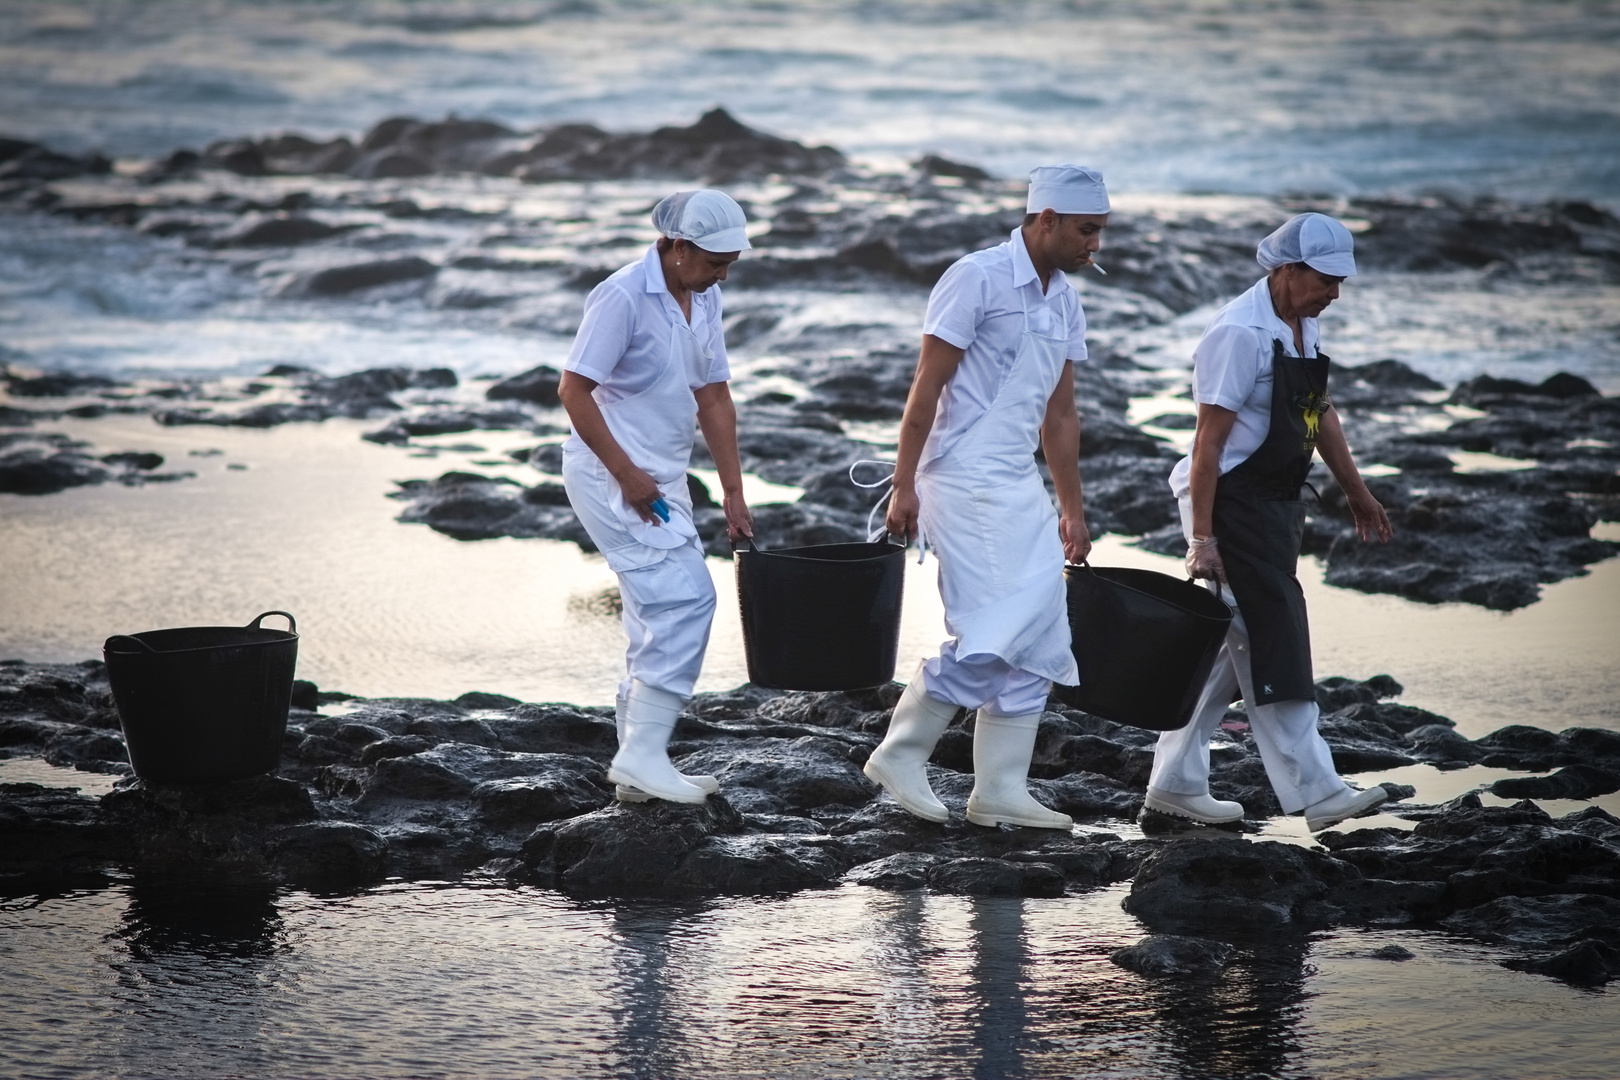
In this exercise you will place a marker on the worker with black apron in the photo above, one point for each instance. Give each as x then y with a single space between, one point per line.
1261 385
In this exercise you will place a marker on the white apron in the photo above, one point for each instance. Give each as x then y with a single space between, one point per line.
987 516
656 428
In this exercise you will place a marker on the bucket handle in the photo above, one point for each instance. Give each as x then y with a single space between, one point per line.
121 638
292 623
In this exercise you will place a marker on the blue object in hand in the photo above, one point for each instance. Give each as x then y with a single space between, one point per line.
661 508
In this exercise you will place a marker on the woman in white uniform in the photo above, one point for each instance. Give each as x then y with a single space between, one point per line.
648 361
995 382
1260 381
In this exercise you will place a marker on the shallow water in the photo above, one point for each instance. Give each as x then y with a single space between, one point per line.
184 978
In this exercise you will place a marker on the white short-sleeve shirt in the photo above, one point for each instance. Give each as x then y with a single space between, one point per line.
1232 369
978 306
623 340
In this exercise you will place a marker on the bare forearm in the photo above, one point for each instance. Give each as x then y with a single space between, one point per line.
1206 474
1335 451
717 418
1209 440
915 426
1060 440
936 363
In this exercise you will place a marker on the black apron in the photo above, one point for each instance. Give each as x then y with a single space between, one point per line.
1259 520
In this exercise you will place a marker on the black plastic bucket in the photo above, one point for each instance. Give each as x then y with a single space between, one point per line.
821 618
201 704
1144 643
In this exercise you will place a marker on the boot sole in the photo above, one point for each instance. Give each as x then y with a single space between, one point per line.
649 791
874 772
1328 823
629 793
1186 815
990 821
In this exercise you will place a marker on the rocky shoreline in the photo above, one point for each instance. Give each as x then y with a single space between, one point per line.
491 788
1490 537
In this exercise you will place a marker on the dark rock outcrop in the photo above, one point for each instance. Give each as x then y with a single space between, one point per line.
436 789
1161 956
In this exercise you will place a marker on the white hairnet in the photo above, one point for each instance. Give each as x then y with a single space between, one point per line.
1316 240
710 219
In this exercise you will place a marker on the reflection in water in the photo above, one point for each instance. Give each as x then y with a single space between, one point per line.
644 955
200 964
1244 1021
197 920
997 989
192 979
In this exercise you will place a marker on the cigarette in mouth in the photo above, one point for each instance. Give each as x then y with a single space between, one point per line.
1097 268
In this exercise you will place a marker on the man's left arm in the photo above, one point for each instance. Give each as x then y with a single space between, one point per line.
1367 512
1060 441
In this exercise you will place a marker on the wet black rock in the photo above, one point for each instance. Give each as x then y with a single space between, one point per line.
996 877
1586 963
1570 782
468 506
314 397
717 148
1160 956
537 385
328 855
342 280
40 463
1236 886
278 230
1541 921
402 429
419 788
625 848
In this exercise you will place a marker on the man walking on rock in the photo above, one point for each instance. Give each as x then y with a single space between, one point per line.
995 382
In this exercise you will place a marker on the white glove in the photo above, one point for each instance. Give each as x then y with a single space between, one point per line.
1204 559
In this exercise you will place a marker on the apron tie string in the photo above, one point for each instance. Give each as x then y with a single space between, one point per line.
875 532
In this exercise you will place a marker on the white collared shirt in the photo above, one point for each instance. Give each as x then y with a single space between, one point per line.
1232 369
623 340
978 306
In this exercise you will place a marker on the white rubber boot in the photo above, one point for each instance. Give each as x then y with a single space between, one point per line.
1346 804
624 793
1202 808
900 763
1002 748
642 762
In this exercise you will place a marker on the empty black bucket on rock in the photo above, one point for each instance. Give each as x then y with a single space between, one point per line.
203 704
1144 643
821 618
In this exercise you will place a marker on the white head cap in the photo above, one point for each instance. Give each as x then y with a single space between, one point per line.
1316 240
1067 189
710 219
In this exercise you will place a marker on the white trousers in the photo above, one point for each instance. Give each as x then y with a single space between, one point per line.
983 680
668 610
666 591
1297 759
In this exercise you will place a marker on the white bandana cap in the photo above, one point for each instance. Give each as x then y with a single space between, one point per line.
1316 240
1067 189
710 219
